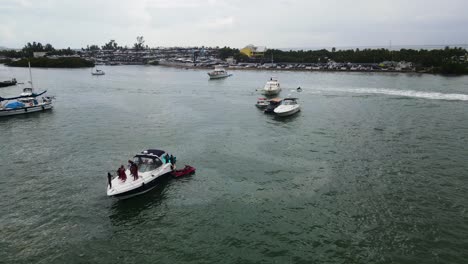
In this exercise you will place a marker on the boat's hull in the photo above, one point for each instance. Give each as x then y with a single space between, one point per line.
97 73
6 84
144 188
219 76
25 110
288 113
271 92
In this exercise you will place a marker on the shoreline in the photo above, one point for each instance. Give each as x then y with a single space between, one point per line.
295 70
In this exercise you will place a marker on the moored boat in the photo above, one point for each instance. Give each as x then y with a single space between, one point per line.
272 87
288 107
26 102
8 83
218 73
262 103
98 72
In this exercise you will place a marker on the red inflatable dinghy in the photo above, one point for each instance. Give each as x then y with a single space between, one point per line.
188 170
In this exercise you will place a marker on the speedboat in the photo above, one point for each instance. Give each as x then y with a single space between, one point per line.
218 73
272 87
272 104
26 102
288 107
98 72
8 83
262 103
152 165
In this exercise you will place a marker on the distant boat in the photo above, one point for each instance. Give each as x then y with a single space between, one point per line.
26 102
8 83
218 73
272 87
98 72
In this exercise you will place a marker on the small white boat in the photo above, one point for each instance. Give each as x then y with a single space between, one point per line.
98 72
272 87
288 107
262 103
26 102
218 73
152 165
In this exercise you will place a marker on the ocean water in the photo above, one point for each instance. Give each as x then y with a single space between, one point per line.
372 170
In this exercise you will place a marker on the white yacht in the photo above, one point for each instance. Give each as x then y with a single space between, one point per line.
98 72
218 73
272 87
289 106
152 166
26 102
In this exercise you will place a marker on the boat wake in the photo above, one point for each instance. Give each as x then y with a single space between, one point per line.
404 93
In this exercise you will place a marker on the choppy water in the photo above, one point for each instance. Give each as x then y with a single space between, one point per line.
372 170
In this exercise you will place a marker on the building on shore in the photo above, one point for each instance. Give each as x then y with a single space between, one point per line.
39 54
254 51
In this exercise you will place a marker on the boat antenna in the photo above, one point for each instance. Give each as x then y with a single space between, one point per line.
30 75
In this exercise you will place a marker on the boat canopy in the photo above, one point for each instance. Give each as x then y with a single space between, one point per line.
151 152
276 100
22 96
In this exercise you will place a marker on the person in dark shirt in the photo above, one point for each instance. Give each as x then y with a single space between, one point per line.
133 170
109 180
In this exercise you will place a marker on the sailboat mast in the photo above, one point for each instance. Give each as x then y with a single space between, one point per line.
30 75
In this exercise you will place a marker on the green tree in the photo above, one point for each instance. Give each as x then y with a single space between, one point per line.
140 44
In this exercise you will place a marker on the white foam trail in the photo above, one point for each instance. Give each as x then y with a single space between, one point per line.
405 93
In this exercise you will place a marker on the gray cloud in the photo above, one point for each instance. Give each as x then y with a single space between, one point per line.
293 23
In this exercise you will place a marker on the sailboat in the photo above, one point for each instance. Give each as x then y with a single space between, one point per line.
26 102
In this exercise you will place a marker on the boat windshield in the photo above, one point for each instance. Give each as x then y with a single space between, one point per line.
289 102
146 164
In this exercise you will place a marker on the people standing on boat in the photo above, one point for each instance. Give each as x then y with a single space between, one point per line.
109 179
133 170
121 173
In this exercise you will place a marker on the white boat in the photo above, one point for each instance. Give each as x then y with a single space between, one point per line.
152 166
288 107
27 102
262 103
218 73
98 72
272 87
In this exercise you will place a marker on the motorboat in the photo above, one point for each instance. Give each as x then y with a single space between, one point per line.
27 102
272 104
152 164
218 73
272 87
8 83
262 103
288 107
98 72
187 170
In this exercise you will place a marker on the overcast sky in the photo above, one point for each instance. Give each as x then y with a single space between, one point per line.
235 23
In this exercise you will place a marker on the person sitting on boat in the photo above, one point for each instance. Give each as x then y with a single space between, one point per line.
133 170
121 173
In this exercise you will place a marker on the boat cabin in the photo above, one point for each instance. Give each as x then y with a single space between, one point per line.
149 160
289 101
